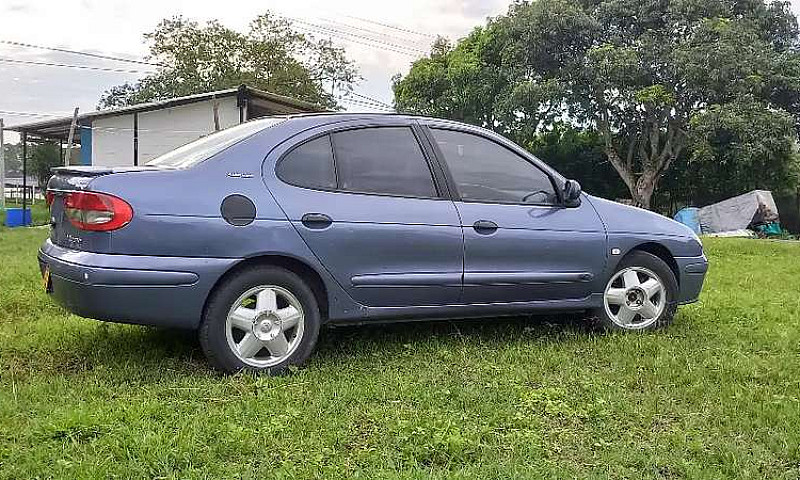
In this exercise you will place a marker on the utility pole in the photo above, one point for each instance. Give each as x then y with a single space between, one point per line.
2 169
24 175
71 137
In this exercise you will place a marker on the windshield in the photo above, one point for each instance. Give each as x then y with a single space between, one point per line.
208 146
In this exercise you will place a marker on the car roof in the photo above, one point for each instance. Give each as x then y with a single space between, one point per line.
331 117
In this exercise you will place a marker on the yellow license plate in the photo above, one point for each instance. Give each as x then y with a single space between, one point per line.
46 279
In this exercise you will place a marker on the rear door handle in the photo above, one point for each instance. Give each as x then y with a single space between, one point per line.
316 220
485 227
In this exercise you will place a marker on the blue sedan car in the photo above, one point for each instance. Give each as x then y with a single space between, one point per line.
257 235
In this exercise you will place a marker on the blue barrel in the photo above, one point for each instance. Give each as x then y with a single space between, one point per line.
14 217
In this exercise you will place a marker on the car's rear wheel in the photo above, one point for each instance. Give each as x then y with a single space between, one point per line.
640 295
262 319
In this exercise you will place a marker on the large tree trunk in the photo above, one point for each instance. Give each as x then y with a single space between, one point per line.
648 153
641 187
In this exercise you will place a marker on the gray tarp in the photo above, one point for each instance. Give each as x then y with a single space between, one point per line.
740 212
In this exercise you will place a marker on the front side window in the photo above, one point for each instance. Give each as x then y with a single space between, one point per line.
383 160
310 165
485 171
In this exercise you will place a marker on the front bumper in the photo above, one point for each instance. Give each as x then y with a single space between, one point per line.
160 291
692 272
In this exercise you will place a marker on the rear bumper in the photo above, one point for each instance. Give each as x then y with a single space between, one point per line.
692 274
161 291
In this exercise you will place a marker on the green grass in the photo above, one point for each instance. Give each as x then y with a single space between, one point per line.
717 395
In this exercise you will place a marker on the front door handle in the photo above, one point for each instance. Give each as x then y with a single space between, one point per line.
316 220
485 227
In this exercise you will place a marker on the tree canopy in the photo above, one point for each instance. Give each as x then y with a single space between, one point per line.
12 159
44 156
271 56
651 77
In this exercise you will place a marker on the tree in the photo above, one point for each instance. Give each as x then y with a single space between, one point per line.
636 71
43 157
271 56
742 146
12 159
578 154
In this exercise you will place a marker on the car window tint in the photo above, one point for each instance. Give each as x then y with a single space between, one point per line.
485 171
310 165
386 160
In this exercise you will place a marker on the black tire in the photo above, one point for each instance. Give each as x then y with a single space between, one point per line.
212 332
666 275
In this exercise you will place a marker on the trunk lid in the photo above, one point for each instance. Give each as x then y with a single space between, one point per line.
78 178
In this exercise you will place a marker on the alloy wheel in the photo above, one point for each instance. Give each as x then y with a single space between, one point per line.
265 326
635 298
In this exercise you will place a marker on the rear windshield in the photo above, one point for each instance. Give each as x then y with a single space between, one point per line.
208 146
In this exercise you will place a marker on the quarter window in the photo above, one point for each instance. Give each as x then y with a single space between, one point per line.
310 165
385 160
485 171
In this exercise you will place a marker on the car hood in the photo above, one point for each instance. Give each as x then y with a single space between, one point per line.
619 218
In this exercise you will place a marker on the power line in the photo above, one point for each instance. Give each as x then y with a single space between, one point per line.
78 52
70 65
360 103
393 38
393 27
359 42
375 100
30 114
356 101
357 38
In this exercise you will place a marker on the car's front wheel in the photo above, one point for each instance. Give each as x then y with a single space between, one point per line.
640 295
262 319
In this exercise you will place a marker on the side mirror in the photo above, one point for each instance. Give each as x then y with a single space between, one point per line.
572 193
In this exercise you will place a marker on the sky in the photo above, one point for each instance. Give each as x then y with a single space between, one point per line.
396 31
116 28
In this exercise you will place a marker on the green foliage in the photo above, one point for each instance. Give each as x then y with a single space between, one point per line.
634 71
270 56
43 157
742 146
578 154
12 159
714 396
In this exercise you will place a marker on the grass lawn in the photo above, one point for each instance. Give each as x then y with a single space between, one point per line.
717 395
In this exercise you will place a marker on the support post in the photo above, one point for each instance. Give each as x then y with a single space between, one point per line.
215 108
71 137
135 139
2 169
24 174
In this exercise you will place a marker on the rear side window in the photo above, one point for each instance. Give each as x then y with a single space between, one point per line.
385 160
310 165
206 147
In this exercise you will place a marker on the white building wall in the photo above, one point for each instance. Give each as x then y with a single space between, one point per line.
112 141
161 131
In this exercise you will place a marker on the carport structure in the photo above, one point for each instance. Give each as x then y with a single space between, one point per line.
135 134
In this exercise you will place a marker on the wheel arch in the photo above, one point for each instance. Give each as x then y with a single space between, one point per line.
661 252
299 267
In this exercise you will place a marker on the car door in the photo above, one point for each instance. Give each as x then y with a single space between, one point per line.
365 201
520 243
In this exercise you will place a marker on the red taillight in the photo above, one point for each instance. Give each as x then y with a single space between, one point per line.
99 212
49 196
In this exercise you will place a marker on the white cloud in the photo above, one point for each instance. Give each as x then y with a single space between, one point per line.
115 27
